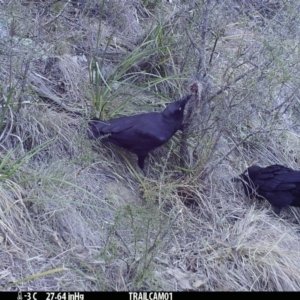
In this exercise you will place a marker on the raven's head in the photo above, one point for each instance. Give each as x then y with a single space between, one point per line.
95 127
247 178
253 171
175 110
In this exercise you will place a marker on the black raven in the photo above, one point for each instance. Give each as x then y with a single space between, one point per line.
141 133
277 184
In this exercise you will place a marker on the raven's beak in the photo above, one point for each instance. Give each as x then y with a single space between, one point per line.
188 97
235 179
185 99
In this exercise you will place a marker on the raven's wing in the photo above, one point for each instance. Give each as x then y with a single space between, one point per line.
156 131
99 128
139 134
278 178
153 136
139 122
118 125
148 132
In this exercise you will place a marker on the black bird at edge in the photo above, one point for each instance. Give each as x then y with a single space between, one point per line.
141 133
276 183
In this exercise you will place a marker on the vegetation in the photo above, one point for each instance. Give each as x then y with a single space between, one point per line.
76 215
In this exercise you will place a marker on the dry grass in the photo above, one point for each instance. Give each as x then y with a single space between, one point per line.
75 215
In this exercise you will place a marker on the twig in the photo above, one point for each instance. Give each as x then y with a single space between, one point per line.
201 49
3 137
213 50
120 237
164 234
58 15
202 59
287 100
193 106
228 85
193 41
233 148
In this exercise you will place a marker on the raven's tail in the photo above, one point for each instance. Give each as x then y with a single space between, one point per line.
95 126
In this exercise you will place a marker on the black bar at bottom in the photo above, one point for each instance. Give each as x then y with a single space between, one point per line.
90 295
122 295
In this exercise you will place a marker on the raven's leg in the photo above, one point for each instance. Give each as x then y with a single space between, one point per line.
141 160
93 131
183 126
277 210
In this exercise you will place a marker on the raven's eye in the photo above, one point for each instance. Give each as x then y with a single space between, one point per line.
179 108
